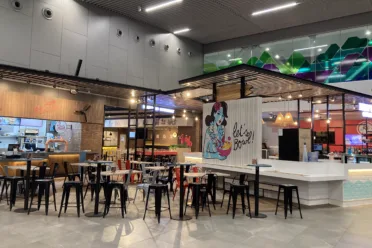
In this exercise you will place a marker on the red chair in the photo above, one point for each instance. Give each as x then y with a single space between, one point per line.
178 182
195 170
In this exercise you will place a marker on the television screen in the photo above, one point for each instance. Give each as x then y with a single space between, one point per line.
353 139
132 135
31 122
318 147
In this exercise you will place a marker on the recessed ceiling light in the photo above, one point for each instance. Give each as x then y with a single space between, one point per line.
277 56
319 50
182 31
368 32
162 5
229 55
267 49
280 7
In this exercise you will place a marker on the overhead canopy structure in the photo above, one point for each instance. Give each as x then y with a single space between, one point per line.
94 86
270 85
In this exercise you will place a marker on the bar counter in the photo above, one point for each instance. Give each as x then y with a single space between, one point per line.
49 157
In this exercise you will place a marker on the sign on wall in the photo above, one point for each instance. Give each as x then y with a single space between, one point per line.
232 132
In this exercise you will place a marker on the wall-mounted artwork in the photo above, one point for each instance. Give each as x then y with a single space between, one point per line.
232 132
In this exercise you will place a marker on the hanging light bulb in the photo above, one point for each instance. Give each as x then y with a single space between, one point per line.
328 121
300 95
196 118
184 110
295 123
289 96
308 119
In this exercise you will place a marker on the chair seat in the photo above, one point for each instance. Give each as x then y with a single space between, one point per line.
287 186
157 185
46 180
14 178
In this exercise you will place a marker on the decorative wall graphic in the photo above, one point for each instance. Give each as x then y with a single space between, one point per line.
185 140
342 62
232 132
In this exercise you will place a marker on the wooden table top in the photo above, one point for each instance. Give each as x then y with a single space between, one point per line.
24 167
141 162
195 174
118 172
155 168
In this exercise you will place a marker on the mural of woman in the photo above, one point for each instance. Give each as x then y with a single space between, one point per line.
215 145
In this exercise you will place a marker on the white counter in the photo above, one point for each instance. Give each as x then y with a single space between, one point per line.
324 182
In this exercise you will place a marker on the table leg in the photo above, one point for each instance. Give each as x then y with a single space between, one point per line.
96 200
27 190
82 174
257 196
181 216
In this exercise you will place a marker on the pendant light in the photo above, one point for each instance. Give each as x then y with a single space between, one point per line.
279 119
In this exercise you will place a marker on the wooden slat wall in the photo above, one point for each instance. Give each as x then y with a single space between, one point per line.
29 101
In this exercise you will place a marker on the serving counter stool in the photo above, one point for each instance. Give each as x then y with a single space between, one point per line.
66 194
158 189
288 190
235 191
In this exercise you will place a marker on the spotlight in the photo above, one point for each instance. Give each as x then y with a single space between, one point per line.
184 110
73 91
183 115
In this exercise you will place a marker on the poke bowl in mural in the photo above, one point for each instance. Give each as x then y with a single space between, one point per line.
225 149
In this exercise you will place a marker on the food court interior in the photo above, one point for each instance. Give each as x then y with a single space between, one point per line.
185 123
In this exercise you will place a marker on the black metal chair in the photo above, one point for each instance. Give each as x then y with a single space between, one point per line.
12 182
288 190
122 187
158 190
43 184
92 184
235 191
199 192
70 174
66 195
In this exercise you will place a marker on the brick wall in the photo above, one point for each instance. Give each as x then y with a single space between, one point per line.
91 137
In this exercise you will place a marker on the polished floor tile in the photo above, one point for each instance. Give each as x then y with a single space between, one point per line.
322 227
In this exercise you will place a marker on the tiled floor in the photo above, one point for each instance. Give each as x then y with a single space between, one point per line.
321 227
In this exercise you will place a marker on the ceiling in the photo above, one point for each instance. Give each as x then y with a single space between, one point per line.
217 20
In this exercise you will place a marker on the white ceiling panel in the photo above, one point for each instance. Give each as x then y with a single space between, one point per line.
216 20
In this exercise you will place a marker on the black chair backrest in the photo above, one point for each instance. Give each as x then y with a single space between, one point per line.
42 171
65 167
55 169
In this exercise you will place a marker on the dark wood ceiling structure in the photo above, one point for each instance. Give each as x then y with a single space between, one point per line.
270 85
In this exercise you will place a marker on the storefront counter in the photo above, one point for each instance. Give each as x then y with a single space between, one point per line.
323 182
50 158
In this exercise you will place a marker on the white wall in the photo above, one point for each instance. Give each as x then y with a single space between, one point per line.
77 31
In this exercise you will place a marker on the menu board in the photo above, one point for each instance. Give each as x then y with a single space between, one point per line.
10 121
